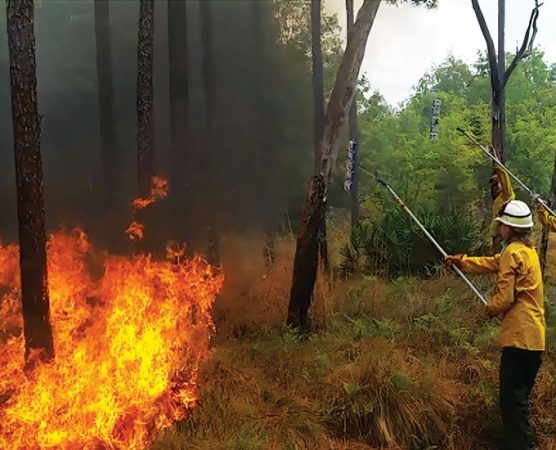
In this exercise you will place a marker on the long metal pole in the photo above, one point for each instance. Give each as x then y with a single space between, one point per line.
505 169
427 234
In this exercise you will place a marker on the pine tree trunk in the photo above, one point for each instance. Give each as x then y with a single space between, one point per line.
306 254
210 112
178 82
145 41
111 159
260 113
29 180
208 63
353 136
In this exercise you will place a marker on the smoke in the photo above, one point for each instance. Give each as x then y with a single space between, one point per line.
239 172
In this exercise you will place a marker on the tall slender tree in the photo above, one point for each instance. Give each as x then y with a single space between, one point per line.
318 81
353 136
29 181
145 138
178 79
499 74
209 79
306 253
210 92
111 159
260 111
337 111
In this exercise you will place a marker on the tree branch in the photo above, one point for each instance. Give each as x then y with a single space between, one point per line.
527 44
491 51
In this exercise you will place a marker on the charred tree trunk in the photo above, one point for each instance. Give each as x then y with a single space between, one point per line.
318 113
318 82
353 136
261 108
210 94
306 254
208 63
552 202
499 75
111 159
178 80
29 182
145 139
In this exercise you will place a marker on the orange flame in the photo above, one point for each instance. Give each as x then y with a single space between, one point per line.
159 190
135 231
129 336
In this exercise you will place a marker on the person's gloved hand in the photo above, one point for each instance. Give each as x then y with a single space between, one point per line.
451 260
536 199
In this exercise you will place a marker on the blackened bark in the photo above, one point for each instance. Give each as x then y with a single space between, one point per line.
178 82
323 244
353 136
29 180
208 62
111 158
145 140
306 254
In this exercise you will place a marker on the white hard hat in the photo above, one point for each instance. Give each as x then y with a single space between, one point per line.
516 214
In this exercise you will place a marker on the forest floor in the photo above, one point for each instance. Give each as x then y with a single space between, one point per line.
405 364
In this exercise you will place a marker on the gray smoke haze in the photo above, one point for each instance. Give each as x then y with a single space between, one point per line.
240 173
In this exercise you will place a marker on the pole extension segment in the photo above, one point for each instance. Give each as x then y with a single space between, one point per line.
533 195
426 232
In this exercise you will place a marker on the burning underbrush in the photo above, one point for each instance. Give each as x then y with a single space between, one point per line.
129 336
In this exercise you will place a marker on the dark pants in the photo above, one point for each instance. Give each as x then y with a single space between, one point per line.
518 369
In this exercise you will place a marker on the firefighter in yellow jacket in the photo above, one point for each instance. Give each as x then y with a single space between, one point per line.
547 219
501 192
518 299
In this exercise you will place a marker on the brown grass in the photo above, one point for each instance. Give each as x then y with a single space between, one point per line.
408 364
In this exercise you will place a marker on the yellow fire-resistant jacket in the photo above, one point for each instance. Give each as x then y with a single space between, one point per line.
518 296
506 195
548 220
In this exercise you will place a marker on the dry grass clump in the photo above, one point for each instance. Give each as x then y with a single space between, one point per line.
391 398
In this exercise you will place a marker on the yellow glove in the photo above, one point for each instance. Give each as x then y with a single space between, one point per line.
453 260
542 215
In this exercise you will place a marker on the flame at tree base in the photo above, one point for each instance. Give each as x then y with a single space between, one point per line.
129 336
